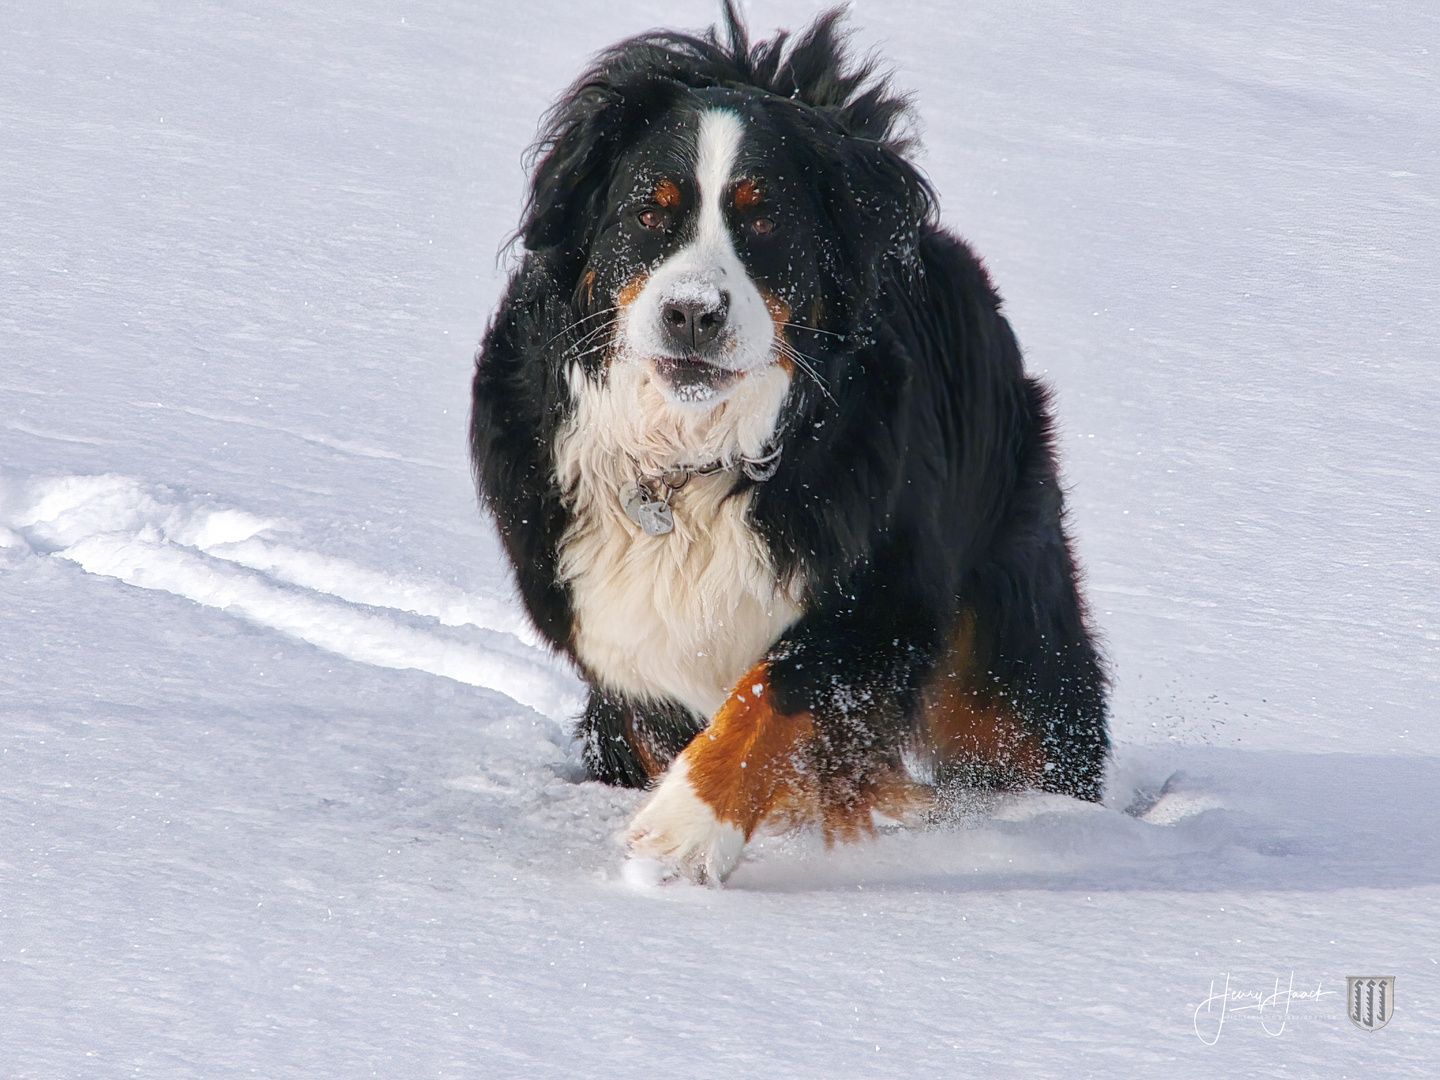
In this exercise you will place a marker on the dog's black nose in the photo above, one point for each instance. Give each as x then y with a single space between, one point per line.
693 324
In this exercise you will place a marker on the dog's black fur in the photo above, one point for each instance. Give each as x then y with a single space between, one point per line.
917 493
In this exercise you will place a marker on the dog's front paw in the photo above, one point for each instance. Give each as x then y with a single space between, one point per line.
679 829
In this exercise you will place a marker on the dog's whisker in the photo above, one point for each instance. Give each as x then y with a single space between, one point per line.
812 329
805 363
591 351
585 338
809 362
791 353
800 355
579 323
588 337
593 331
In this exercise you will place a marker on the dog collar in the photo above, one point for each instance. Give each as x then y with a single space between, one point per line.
647 504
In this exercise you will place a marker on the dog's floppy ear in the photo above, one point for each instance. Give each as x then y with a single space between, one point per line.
583 138
875 197
575 158
878 203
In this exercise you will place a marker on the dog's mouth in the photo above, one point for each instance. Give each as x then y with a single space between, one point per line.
691 379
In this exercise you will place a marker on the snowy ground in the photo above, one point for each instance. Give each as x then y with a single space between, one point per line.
285 789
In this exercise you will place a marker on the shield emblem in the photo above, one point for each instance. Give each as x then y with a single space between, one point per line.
1371 1000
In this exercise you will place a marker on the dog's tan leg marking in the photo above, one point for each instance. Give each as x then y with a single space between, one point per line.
966 724
750 766
757 766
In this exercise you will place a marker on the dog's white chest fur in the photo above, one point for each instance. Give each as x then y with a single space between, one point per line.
683 615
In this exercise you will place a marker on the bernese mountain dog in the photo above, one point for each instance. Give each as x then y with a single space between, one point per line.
764 457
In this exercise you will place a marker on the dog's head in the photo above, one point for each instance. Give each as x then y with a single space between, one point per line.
717 209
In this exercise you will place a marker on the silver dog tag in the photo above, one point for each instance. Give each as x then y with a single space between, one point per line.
656 518
636 499
652 515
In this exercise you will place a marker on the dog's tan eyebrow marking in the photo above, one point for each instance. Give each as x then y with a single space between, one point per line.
667 194
747 194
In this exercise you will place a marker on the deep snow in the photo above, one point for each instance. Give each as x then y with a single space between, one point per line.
285 788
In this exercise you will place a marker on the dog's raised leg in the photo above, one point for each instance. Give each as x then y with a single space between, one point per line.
759 764
753 763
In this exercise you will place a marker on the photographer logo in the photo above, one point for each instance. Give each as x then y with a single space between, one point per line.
1371 1000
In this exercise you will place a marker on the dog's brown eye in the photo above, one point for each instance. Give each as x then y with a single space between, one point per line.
652 219
762 225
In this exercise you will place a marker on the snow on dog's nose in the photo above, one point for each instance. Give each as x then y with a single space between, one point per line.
694 315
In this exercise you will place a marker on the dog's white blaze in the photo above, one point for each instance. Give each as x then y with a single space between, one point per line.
685 615
716 148
678 828
680 616
706 265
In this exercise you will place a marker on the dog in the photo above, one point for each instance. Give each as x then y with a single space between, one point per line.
766 463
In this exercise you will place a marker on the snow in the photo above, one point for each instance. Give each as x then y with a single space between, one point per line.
302 802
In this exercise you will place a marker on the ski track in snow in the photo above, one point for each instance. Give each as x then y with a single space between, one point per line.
118 527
